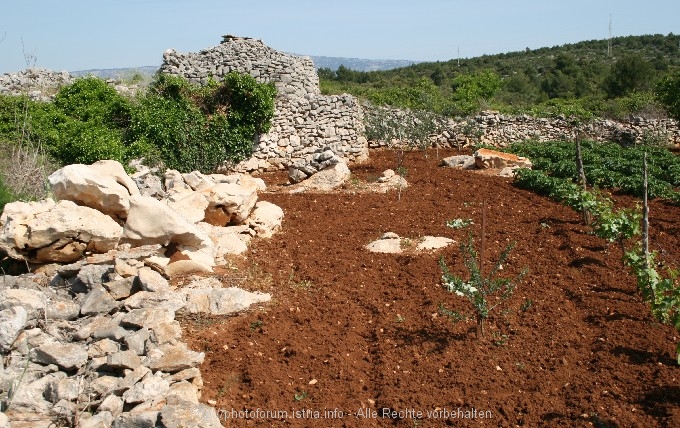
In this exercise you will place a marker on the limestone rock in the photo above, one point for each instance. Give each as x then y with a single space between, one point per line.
98 301
148 317
152 222
191 205
433 243
266 219
388 243
122 360
492 159
204 296
461 162
111 404
91 276
178 414
12 322
103 186
326 179
60 232
172 358
234 200
185 267
150 280
147 419
31 300
227 240
62 310
67 356
103 419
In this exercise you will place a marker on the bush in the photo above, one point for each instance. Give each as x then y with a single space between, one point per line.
199 128
91 99
6 195
668 94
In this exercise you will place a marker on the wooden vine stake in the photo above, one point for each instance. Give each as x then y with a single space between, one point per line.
480 320
587 217
645 212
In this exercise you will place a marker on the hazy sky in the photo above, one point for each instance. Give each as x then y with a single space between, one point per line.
76 34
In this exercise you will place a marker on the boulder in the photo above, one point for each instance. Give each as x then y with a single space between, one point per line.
198 181
230 203
227 240
428 243
103 186
191 205
174 182
491 159
326 179
460 162
47 232
266 219
152 222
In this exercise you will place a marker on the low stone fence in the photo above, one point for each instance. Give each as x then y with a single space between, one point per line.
499 130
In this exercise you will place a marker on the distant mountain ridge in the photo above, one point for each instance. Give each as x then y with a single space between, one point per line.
357 64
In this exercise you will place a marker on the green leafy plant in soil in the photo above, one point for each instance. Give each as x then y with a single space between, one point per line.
606 165
662 293
484 293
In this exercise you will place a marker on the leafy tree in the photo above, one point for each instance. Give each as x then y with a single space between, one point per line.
471 89
630 73
91 99
668 94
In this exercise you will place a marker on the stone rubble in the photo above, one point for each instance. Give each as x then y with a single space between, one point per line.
37 83
95 342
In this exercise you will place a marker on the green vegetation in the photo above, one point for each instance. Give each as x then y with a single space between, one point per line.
620 168
563 80
483 293
183 126
6 195
661 293
668 93
606 165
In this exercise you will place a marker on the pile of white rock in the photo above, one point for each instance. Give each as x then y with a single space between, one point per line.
37 83
90 338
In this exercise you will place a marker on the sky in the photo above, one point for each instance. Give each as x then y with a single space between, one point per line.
77 35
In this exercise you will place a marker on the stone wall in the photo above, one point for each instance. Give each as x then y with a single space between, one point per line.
499 130
304 119
38 83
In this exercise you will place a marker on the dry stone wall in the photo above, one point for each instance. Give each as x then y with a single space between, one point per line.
304 119
499 130
38 83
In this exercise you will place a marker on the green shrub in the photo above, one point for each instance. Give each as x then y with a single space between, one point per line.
199 128
91 99
87 142
6 195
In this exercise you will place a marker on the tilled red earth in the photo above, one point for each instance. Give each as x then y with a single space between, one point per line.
351 338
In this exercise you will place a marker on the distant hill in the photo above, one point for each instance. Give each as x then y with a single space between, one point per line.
117 73
358 64
333 63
